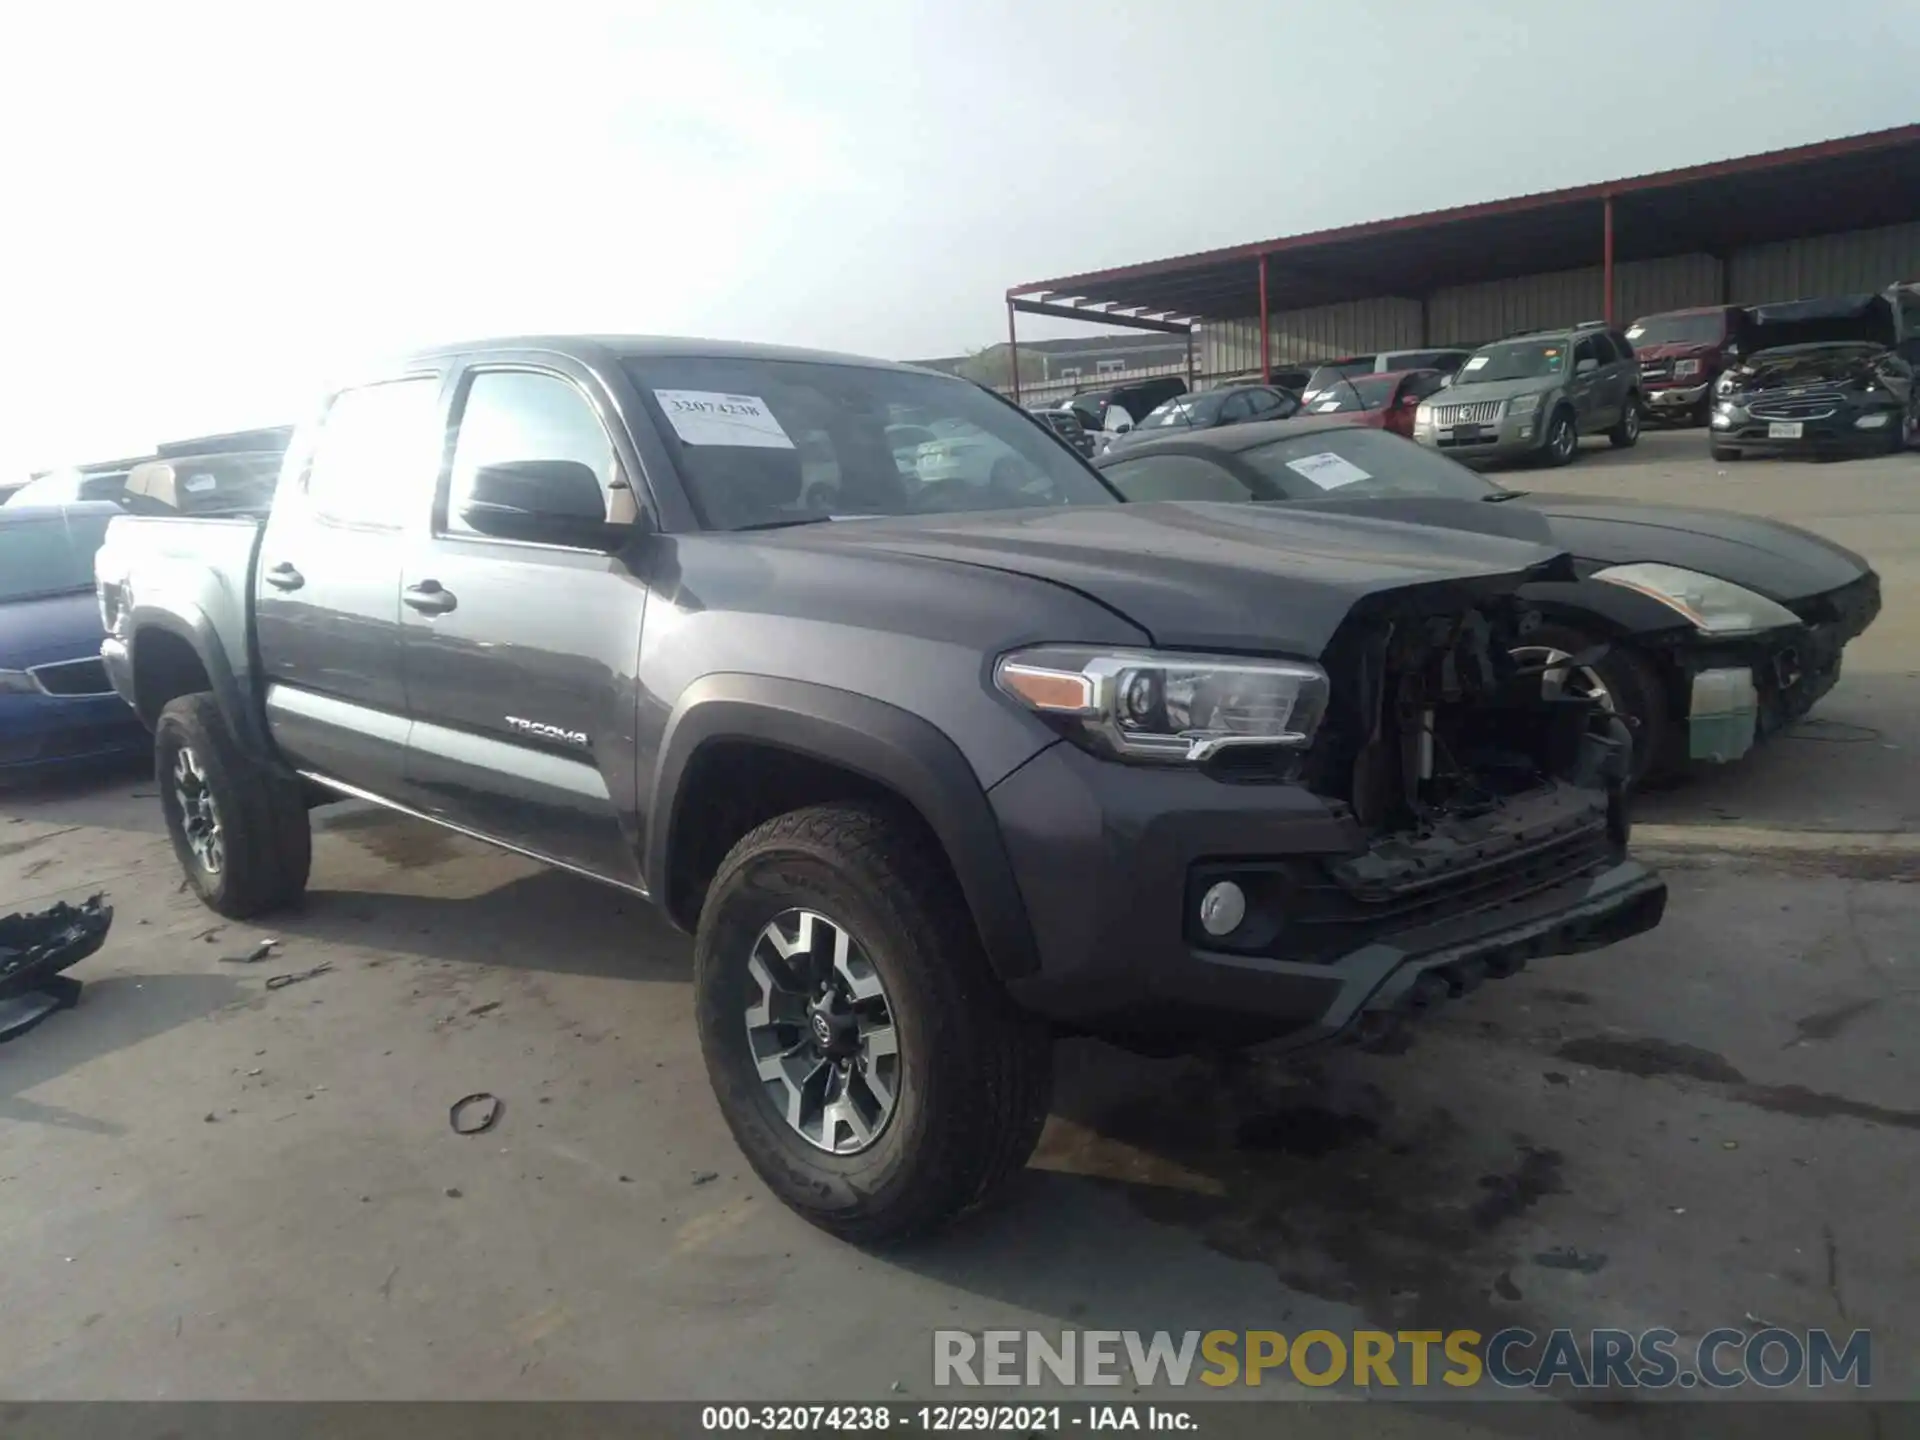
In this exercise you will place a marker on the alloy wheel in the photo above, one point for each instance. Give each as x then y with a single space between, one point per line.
199 816
1564 439
820 1030
1558 679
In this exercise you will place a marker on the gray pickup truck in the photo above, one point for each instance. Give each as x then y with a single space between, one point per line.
936 758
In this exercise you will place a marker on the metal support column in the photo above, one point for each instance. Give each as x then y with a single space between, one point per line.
1606 257
1266 337
1189 357
1013 353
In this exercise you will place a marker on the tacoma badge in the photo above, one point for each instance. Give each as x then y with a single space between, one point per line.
548 732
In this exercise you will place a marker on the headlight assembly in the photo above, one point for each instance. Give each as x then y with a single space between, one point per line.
1713 607
1523 404
1159 705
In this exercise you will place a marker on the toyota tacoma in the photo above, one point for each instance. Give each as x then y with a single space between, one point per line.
935 762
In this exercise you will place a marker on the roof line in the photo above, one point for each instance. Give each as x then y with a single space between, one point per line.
1745 164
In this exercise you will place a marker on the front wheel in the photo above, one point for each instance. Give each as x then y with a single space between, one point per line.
1620 682
1626 433
869 1064
1563 439
239 830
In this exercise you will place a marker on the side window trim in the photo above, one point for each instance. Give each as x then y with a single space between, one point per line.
621 480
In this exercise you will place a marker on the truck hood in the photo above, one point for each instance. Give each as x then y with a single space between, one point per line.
1676 350
1218 576
1779 561
55 627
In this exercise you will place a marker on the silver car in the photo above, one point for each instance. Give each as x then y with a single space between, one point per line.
1533 396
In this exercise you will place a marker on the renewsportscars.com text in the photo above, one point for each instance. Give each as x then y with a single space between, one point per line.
1771 1358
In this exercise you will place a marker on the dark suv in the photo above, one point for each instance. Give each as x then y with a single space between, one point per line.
1533 395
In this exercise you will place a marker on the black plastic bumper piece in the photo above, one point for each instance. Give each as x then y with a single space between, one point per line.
1106 857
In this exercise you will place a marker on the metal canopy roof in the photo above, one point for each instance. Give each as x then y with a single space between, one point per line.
1856 183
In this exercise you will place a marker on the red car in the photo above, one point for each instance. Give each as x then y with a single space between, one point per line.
1384 400
1681 353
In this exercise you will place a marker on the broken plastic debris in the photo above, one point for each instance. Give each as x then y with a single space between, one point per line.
259 952
280 982
489 1108
38 945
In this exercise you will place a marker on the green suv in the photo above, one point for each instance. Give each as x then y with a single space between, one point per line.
1532 396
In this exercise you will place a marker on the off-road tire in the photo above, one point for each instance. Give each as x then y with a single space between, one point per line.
975 1072
267 841
1626 431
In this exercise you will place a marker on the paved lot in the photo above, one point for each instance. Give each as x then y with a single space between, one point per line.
212 1190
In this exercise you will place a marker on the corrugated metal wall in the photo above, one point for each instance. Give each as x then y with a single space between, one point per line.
1468 314
1840 264
1326 330
1859 260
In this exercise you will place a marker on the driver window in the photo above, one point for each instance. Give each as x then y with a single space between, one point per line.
1235 408
1584 349
514 415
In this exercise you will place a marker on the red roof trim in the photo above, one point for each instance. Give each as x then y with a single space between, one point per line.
1541 200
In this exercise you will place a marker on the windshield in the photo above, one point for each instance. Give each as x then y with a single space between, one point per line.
1358 392
1677 330
1515 360
1358 463
53 556
1198 410
1325 377
771 442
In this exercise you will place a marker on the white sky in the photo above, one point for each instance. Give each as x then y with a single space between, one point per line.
206 207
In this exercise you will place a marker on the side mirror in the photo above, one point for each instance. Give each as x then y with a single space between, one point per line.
1732 352
552 502
1586 366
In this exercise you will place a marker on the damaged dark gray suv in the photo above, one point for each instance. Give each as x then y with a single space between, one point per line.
872 684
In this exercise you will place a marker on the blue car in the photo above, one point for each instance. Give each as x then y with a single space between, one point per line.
57 707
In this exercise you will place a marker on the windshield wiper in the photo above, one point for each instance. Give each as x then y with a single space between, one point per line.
1499 495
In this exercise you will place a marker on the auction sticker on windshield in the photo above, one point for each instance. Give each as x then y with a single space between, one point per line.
706 417
1476 362
1327 470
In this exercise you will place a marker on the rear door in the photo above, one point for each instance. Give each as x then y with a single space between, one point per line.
521 655
327 591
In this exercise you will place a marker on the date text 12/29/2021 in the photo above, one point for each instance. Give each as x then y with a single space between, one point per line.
943 1419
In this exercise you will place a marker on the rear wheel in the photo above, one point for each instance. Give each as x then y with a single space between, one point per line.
1620 682
238 828
1626 433
869 1064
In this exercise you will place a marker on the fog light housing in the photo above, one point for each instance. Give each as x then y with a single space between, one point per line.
1526 432
1876 421
1222 909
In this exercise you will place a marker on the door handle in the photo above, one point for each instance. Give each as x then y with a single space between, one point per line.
429 597
284 577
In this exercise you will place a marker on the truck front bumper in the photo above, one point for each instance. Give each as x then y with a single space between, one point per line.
1339 940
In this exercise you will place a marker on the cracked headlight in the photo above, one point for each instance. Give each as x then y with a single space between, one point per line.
1157 705
1523 404
1713 607
17 682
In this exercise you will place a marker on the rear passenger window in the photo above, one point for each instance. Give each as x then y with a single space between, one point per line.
378 446
513 415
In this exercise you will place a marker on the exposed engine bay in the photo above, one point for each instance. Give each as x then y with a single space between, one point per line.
1431 720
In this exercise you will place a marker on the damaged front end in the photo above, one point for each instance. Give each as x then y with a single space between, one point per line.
1489 820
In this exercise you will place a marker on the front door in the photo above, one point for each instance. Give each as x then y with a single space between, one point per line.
327 592
520 656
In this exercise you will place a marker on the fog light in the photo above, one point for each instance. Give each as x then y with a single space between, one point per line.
1222 908
1876 421
1526 432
